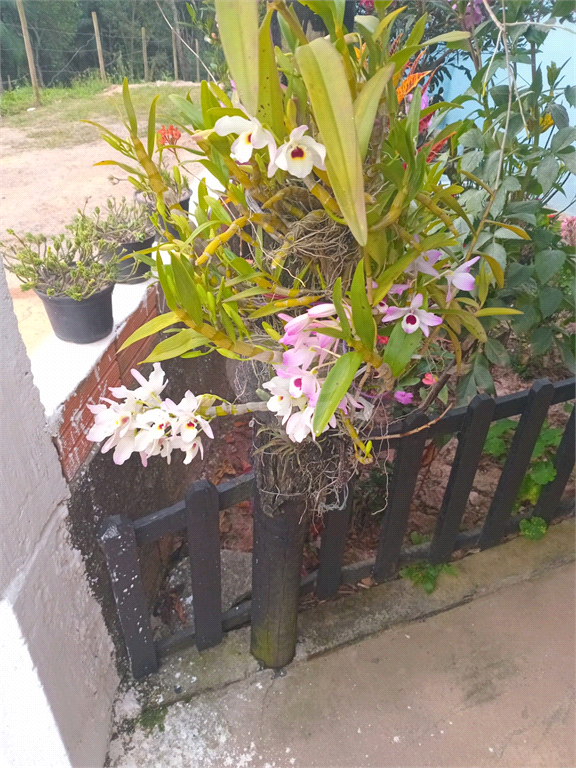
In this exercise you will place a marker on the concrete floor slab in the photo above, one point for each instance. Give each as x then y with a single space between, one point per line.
490 683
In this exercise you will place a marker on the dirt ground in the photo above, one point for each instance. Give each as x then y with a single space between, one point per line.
42 185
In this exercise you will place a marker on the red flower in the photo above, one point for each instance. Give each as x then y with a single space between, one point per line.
168 135
383 339
368 5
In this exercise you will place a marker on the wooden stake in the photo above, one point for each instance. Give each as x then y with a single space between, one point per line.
29 52
197 61
174 55
145 54
99 46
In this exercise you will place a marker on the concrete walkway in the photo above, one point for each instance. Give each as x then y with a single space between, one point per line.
485 684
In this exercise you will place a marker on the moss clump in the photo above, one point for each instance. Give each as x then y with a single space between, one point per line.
151 718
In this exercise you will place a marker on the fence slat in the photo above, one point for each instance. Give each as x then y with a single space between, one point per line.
527 431
470 444
564 463
405 473
332 547
118 542
203 518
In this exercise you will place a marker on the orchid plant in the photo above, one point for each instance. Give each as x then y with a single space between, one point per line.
338 252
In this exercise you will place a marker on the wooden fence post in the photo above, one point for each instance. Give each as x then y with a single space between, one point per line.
145 54
203 520
174 55
99 46
277 555
29 52
332 546
118 541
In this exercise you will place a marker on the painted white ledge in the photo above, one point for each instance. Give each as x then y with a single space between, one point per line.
58 367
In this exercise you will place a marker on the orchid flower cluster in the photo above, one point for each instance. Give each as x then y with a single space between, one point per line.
138 421
297 156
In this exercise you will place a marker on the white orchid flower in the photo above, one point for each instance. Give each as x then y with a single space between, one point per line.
299 155
251 135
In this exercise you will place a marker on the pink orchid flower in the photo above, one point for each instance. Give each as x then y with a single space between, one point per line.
413 317
460 278
425 264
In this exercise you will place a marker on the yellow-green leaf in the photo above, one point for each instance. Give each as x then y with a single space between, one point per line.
150 328
270 106
176 345
512 228
325 79
129 108
366 106
334 388
238 29
489 311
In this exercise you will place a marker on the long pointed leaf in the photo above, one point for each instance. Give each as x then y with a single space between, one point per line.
334 388
238 28
150 328
366 106
325 78
270 106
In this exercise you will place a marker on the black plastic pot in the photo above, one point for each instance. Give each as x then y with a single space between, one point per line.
131 270
80 322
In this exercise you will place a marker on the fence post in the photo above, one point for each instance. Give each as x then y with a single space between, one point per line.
99 46
203 520
29 52
174 55
527 431
145 54
406 467
118 541
277 556
332 546
470 445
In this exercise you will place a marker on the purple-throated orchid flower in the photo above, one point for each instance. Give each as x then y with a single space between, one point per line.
251 135
425 264
460 278
413 317
299 155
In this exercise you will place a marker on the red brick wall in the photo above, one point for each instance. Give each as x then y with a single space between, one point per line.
112 370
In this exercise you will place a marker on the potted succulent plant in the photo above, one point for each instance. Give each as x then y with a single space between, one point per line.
122 229
67 274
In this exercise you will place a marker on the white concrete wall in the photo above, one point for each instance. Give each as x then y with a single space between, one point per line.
54 637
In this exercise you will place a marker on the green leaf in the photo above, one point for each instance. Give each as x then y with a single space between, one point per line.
366 106
541 340
547 172
238 30
448 37
176 345
386 22
496 352
334 388
400 348
270 105
129 108
150 328
489 311
342 317
559 115
534 528
362 316
549 300
187 292
152 126
548 263
325 79
543 472
189 111
564 138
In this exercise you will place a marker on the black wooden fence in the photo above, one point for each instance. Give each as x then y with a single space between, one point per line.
199 514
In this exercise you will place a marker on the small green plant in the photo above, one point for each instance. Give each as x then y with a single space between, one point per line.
153 718
419 538
533 528
65 266
119 223
426 574
541 469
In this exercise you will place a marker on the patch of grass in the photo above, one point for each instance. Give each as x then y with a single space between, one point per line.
57 122
426 575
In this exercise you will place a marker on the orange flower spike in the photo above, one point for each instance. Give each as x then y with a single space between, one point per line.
408 85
